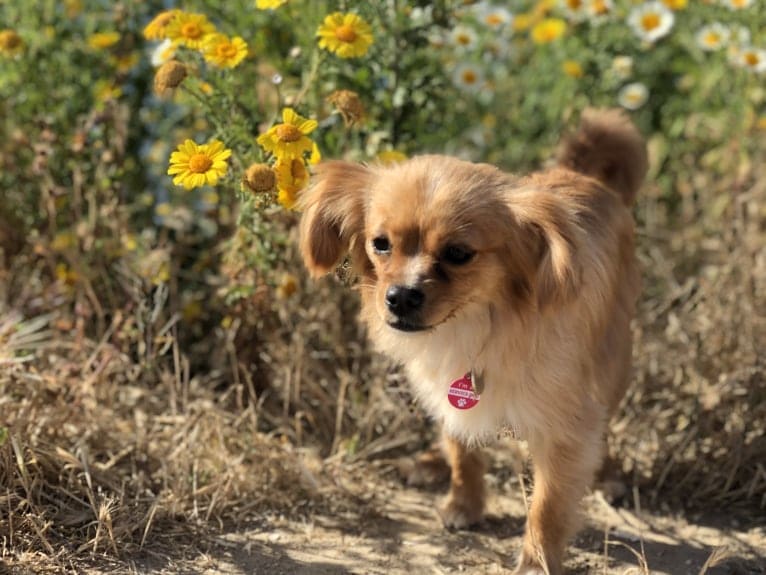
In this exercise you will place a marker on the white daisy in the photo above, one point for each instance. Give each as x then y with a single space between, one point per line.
463 37
164 51
574 9
712 37
599 9
633 96
651 21
753 59
622 67
494 17
468 77
738 4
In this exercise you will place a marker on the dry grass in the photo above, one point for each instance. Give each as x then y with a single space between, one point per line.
119 445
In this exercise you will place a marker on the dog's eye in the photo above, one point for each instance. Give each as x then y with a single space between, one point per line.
381 245
457 255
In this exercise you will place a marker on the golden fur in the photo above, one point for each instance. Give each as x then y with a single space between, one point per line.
529 281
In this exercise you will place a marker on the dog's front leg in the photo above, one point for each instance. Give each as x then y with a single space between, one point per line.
563 470
465 502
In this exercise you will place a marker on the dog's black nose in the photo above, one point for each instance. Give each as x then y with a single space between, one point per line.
402 300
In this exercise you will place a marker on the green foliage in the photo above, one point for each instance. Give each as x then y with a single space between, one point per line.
86 141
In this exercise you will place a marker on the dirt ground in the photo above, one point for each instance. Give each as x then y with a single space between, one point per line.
394 529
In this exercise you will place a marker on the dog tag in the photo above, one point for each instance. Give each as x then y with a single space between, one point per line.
461 394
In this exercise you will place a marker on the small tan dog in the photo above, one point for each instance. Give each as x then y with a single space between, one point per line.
508 300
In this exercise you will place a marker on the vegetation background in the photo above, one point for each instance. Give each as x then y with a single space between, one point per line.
168 373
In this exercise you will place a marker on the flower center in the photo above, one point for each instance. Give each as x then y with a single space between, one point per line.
494 20
469 77
650 21
345 33
751 58
712 39
574 4
226 50
288 133
599 7
200 163
191 30
463 39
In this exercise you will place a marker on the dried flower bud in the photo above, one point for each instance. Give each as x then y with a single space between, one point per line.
169 76
349 105
260 178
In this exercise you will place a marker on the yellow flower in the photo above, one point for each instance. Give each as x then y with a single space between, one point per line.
127 62
548 30
290 139
11 43
103 40
522 22
222 51
347 35
189 29
72 8
156 29
675 4
572 68
269 4
196 165
292 177
760 123
104 90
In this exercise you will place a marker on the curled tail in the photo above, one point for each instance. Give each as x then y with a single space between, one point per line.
608 147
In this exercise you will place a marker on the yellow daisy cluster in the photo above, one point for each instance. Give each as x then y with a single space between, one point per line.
194 31
289 144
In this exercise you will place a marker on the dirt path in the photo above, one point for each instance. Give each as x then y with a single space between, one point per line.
397 531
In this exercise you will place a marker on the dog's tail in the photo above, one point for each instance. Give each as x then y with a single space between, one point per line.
608 147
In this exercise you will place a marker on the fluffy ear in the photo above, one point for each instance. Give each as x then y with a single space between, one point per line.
552 238
333 215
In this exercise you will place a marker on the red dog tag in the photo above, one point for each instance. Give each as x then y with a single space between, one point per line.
461 394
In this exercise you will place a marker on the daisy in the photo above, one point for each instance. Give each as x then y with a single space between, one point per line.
548 30
164 52
196 165
155 30
269 4
753 59
572 68
599 8
675 4
289 140
574 9
468 77
347 35
463 37
622 67
11 43
738 4
222 51
712 37
189 29
633 96
651 21
494 17
103 40
292 177
260 178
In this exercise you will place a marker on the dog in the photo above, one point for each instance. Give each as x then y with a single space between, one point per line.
508 300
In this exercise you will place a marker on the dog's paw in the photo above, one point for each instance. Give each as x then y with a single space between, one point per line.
460 514
429 469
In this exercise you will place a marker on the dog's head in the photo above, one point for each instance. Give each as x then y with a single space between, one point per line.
432 235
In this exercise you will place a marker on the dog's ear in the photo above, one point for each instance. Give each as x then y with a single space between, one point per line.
333 215
551 239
